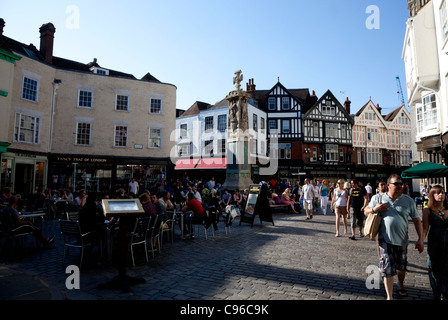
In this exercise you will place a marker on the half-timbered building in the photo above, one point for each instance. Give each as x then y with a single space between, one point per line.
284 108
327 142
382 144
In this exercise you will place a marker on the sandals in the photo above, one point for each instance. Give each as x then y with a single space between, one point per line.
402 293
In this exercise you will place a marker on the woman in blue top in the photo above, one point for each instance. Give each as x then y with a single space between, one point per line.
323 195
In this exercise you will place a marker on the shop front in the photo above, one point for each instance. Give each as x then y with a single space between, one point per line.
23 172
104 174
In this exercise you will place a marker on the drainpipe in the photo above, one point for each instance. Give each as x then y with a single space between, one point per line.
56 83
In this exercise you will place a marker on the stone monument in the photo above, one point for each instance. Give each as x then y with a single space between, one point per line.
238 174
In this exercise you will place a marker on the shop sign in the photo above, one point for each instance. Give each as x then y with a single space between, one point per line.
81 159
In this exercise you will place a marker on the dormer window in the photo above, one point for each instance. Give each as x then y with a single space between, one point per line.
100 71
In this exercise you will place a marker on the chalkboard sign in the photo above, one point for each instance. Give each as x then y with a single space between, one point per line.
257 204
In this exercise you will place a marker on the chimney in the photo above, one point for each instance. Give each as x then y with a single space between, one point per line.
250 87
347 105
2 25
46 41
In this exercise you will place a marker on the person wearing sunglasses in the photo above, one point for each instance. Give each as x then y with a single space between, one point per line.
395 209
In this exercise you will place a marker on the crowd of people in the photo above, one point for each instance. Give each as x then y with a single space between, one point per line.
345 199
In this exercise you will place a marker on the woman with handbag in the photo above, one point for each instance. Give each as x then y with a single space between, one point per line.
435 225
339 205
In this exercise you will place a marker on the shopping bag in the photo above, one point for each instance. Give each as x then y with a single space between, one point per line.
372 225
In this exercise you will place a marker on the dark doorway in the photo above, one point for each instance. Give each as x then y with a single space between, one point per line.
23 183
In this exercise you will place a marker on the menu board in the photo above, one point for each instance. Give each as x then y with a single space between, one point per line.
122 207
257 204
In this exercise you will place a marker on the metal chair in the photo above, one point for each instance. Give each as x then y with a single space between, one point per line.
139 235
71 215
74 238
155 234
19 233
167 227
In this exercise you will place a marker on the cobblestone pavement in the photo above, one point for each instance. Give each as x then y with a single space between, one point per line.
297 259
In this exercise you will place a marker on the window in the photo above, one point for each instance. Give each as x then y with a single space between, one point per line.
155 106
331 152
444 21
222 146
30 89
122 103
273 126
222 123
262 125
284 151
405 157
419 110
183 150
429 110
208 124
27 129
85 99
83 131
272 103
405 138
208 147
402 119
285 103
316 129
155 138
255 122
280 150
374 156
372 134
343 131
331 130
286 126
370 116
183 131
121 136
328 109
341 155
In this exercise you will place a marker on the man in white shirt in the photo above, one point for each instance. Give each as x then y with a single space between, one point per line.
369 191
308 197
133 187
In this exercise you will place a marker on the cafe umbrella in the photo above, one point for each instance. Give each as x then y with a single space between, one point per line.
425 170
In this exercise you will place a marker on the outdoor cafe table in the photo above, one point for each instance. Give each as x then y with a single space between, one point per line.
32 216
181 221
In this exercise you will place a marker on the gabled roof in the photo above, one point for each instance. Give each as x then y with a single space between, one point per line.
338 104
195 109
391 116
378 113
302 95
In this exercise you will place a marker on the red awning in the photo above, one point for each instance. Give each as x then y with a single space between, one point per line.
212 163
184 164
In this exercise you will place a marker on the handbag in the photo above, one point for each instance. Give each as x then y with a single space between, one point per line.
372 225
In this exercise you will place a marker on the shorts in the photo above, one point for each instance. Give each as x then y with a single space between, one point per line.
392 258
357 217
308 204
341 210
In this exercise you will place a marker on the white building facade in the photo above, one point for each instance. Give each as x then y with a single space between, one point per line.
201 136
425 56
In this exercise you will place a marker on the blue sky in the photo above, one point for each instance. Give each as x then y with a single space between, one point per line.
197 45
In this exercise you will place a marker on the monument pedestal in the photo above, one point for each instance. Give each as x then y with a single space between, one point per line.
239 173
